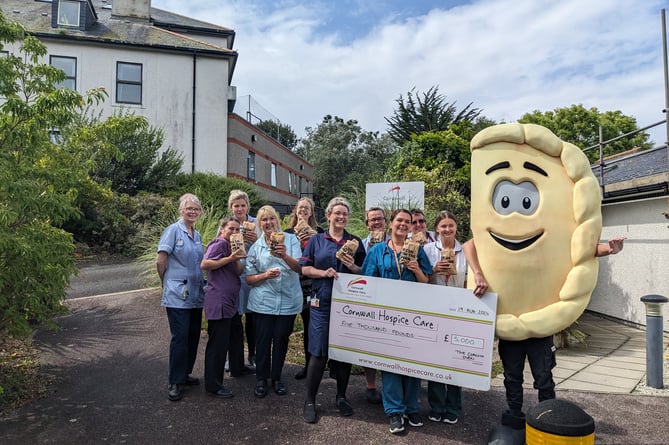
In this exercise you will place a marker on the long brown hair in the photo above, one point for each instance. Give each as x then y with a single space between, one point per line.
444 214
312 218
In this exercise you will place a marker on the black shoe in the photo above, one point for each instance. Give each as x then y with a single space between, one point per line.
414 419
345 408
514 420
302 374
174 392
260 390
450 418
279 388
221 393
192 381
252 360
396 423
309 412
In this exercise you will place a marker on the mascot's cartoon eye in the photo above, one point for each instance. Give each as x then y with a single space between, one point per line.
522 198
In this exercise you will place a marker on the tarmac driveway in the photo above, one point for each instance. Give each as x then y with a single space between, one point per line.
108 365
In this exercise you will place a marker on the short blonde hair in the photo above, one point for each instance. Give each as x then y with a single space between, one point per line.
267 209
238 194
337 201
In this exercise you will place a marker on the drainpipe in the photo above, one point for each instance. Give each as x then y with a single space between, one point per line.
192 142
666 82
601 158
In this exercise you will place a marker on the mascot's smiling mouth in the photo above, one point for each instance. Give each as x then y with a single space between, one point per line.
518 244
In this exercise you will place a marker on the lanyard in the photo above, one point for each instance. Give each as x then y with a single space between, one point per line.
400 268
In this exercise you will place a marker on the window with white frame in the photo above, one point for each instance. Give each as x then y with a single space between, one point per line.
69 65
129 83
68 13
290 182
251 166
273 175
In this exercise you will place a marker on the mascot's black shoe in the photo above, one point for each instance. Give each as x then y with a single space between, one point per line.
510 432
513 420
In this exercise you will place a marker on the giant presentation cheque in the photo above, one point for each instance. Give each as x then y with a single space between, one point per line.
431 332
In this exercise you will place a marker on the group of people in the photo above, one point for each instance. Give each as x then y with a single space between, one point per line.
224 295
269 281
256 291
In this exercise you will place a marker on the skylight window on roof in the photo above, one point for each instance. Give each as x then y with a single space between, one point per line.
68 13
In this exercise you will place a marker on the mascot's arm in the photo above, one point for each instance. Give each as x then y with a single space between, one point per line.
481 285
614 246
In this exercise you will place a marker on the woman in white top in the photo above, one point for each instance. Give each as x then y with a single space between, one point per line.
445 400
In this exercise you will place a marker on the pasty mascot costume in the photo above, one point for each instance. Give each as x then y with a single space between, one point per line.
536 220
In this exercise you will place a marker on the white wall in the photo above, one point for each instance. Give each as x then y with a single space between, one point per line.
642 267
167 96
212 116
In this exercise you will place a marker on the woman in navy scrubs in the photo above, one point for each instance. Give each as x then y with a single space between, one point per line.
320 263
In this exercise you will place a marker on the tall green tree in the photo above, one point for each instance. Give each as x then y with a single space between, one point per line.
125 150
124 160
580 126
282 133
429 111
345 156
441 160
39 182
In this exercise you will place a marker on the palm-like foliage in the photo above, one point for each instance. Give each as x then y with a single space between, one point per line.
420 113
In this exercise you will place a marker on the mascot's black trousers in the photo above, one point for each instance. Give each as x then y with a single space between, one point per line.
540 353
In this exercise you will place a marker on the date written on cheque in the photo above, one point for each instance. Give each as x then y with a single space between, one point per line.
466 310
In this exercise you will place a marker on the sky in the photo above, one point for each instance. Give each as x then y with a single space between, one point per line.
303 60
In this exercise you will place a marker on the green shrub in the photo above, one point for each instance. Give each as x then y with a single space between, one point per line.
213 190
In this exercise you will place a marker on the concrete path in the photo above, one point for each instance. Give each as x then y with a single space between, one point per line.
612 360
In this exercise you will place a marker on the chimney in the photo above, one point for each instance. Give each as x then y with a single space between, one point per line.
136 9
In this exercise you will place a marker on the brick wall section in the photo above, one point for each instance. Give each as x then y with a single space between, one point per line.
244 138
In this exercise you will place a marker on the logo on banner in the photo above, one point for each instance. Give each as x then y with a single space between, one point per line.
357 287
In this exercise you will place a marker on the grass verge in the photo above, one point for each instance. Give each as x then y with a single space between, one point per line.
20 381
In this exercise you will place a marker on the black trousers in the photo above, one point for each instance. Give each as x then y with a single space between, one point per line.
185 327
272 335
236 346
540 353
220 335
250 332
306 312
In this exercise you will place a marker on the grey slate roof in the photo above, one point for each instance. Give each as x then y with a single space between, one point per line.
623 175
165 31
634 166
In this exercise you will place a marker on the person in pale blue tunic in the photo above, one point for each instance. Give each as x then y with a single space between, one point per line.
180 252
273 273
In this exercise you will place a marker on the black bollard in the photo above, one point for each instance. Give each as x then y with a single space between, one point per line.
654 359
558 422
